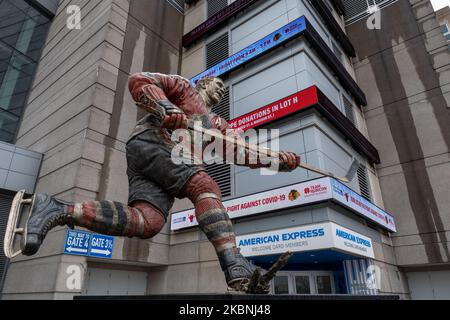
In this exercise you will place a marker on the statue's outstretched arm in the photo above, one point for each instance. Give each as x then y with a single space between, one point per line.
152 93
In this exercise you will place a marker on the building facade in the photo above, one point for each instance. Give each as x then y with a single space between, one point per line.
404 70
79 115
287 65
23 30
443 17
304 68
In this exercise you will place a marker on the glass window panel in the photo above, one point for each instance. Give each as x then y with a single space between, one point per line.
444 28
6 136
8 122
22 35
16 103
21 5
324 285
281 285
302 285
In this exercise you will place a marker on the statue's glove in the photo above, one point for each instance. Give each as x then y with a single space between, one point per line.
174 118
288 161
170 115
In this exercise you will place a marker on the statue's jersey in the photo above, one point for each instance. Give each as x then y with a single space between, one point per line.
178 91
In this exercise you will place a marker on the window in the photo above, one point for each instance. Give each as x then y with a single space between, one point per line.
363 181
217 51
446 31
215 6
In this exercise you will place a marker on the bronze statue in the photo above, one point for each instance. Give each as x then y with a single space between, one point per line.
155 181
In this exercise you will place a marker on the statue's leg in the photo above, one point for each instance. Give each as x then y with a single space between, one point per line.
214 221
140 219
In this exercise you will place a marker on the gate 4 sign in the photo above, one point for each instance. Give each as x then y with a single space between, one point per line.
77 242
88 244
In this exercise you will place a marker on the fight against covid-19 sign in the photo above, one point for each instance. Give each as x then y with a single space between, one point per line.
282 198
304 193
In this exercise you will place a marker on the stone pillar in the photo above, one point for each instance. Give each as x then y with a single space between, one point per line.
79 115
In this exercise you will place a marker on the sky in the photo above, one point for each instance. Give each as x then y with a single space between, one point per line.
439 4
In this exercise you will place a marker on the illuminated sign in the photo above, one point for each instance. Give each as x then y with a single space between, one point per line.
289 31
310 97
350 199
281 198
296 195
305 238
276 110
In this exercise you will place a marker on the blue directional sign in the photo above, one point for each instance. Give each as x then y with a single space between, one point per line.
101 246
77 242
84 243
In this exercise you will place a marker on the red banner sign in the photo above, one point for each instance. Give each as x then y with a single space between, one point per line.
276 110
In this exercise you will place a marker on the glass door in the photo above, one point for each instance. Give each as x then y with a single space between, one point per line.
302 284
307 282
280 284
324 284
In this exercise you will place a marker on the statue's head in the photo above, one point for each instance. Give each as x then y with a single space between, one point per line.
212 90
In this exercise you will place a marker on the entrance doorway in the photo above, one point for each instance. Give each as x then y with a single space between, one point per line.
305 282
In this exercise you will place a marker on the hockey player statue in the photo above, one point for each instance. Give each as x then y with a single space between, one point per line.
155 181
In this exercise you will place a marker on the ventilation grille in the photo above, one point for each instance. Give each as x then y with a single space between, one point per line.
5 205
223 108
217 51
356 10
363 181
178 4
221 173
349 112
215 6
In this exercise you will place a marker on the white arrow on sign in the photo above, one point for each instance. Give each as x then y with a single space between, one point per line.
70 249
104 252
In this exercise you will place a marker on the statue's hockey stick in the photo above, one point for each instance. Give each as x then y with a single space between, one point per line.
260 283
348 177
